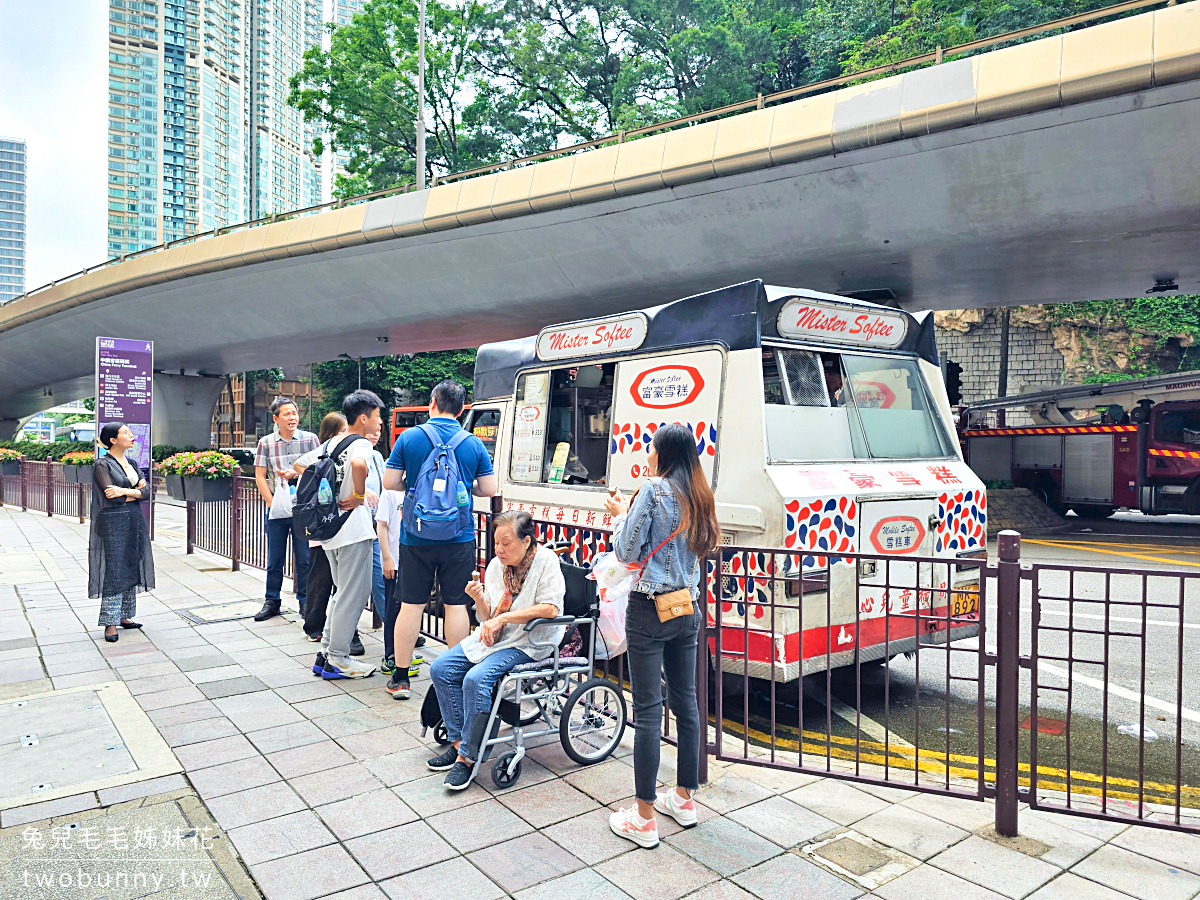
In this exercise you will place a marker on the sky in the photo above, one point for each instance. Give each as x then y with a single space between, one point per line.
53 94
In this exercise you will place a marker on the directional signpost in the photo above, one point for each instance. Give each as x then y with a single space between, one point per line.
125 393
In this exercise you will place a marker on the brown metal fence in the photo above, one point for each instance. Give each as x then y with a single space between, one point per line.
235 528
43 487
1119 636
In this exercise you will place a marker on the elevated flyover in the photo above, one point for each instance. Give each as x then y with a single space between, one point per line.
1059 169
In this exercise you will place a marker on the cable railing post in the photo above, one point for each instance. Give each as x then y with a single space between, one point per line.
191 526
235 524
1008 663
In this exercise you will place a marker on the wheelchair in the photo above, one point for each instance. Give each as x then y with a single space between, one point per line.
557 695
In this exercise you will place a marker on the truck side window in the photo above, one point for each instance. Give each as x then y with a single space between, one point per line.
1181 427
485 425
561 426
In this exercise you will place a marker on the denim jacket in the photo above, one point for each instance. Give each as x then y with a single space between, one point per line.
651 519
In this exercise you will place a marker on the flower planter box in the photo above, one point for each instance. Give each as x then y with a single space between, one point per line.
207 490
77 474
10 467
174 486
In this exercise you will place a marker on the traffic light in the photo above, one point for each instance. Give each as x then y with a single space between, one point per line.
954 383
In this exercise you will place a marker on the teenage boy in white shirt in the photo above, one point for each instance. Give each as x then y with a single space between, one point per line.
350 550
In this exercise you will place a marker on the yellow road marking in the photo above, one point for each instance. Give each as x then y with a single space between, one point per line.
1091 549
1049 777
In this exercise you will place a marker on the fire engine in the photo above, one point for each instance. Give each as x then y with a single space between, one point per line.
1096 448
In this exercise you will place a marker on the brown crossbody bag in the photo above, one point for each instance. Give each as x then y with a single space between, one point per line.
672 604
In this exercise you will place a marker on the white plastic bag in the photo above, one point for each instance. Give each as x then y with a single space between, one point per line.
614 604
281 502
615 580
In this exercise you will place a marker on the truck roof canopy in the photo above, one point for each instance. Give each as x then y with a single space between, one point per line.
738 317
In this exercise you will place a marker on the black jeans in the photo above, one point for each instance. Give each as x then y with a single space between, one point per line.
320 586
654 648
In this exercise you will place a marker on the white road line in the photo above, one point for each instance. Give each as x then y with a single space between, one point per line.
864 723
993 610
1116 690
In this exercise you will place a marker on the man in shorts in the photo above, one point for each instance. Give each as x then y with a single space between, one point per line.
421 560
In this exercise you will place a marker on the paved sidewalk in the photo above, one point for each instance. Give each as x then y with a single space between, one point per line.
322 790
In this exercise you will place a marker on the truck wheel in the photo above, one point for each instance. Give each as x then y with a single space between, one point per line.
1191 500
1093 512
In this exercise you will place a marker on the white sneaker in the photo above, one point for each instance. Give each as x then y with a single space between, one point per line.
624 824
682 811
346 668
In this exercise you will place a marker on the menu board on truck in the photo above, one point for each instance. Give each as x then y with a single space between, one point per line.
529 431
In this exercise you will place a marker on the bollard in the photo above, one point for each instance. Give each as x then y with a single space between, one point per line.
49 489
1008 668
191 526
24 487
80 501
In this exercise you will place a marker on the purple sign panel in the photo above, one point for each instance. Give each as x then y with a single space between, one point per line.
125 389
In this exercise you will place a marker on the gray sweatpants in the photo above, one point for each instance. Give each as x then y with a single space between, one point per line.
351 569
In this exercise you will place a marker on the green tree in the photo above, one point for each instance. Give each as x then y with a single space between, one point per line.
398 380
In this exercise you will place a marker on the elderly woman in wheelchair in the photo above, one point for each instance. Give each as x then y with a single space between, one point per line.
522 583
523 666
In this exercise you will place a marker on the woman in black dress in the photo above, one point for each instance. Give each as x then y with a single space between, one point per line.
119 558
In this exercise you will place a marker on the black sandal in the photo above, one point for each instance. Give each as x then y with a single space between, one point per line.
131 625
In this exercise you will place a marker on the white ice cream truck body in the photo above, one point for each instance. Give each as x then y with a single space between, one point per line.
824 428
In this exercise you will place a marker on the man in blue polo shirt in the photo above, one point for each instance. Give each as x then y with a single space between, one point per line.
451 562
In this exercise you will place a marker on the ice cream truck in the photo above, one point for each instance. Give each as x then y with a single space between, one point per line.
824 428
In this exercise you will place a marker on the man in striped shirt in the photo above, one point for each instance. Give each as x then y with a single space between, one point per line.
273 472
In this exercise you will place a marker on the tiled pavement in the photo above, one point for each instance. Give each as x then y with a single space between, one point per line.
322 788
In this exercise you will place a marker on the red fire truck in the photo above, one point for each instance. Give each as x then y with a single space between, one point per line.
1096 448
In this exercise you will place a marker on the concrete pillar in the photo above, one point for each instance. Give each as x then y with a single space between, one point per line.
183 408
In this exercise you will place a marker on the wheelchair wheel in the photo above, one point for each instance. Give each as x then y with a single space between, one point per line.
592 721
530 712
501 777
440 735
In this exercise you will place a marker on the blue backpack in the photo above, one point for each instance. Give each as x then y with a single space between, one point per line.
437 507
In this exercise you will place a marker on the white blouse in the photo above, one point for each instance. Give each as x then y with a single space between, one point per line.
543 584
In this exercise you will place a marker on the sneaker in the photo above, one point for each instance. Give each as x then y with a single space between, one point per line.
347 668
315 638
459 776
414 670
318 665
356 647
420 640
624 823
398 687
682 811
444 760
387 665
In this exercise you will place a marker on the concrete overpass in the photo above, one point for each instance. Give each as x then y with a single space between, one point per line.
1056 170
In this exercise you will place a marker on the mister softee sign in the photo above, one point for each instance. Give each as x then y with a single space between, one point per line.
824 321
592 338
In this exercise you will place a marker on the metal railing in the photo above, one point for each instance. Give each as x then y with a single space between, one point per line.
1092 629
43 487
761 101
235 528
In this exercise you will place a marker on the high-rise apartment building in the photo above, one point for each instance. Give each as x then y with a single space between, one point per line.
12 218
200 134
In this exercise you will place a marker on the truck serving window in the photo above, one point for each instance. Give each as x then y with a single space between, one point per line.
561 426
833 406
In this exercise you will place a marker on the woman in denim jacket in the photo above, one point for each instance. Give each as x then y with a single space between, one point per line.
674 512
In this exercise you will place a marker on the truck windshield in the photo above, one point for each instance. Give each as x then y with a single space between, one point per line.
834 406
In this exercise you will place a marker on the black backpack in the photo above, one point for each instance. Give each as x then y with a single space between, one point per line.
315 508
